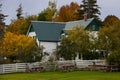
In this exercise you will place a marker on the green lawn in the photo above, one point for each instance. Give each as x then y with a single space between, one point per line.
77 75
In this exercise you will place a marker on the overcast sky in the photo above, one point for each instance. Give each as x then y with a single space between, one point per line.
32 7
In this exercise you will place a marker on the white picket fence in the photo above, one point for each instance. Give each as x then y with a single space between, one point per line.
85 63
10 68
21 67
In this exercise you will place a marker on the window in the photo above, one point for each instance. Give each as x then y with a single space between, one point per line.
34 37
93 27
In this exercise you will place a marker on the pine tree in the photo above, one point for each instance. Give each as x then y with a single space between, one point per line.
2 17
90 8
2 23
19 12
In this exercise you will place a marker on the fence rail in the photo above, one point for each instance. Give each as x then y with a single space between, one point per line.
10 68
85 63
21 67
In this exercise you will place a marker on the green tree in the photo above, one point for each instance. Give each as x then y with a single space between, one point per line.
19 12
81 38
90 8
48 13
114 58
2 23
77 42
42 16
66 49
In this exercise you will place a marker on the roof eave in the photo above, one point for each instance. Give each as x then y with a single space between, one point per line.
29 29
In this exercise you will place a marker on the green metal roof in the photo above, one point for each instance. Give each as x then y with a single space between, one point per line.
51 31
47 31
83 23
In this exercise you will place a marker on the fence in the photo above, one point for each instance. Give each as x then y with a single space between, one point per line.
21 67
10 68
85 63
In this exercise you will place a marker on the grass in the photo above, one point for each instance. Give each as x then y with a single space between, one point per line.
77 75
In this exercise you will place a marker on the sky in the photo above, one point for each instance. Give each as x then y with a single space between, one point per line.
33 7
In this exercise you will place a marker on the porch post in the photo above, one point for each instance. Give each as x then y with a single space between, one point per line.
77 57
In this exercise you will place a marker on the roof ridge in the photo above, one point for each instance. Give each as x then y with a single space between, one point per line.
61 22
80 20
49 22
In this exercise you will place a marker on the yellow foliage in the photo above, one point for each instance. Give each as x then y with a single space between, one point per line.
13 44
18 26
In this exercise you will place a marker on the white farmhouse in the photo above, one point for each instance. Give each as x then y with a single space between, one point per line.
48 34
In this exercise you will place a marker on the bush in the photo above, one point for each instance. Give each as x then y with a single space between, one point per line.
114 58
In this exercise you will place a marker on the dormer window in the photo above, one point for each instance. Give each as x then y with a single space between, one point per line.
93 27
34 37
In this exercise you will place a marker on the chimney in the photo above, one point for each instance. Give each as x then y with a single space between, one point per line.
85 16
53 17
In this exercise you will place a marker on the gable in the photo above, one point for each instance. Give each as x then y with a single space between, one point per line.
31 29
81 23
93 26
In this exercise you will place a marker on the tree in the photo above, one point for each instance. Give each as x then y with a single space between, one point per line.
19 47
110 20
48 13
114 58
42 16
109 39
19 12
68 13
90 8
109 33
66 49
81 38
2 23
77 42
20 26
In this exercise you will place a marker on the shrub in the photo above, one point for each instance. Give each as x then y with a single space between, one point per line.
114 58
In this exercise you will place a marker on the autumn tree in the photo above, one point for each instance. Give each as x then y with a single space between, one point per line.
19 47
20 26
110 20
90 8
109 40
68 13
109 34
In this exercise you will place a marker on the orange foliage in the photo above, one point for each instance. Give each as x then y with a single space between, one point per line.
68 13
